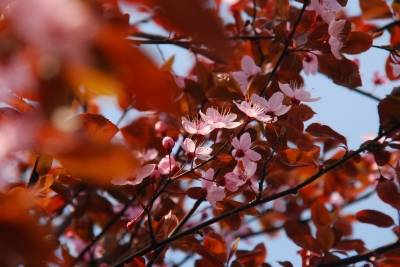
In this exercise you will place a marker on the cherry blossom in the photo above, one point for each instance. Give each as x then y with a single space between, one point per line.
249 69
242 151
335 40
395 66
275 107
239 177
310 64
225 119
213 192
297 94
378 79
194 151
144 155
196 127
326 9
166 164
255 108
137 177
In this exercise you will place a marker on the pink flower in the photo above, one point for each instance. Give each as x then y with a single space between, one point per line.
213 192
297 94
144 155
219 120
275 107
378 79
395 66
254 108
166 165
310 64
240 177
196 127
249 69
335 40
242 151
326 9
136 178
193 151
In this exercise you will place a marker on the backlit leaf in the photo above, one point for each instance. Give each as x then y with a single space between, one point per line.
307 242
374 217
318 130
325 237
217 245
343 72
388 192
320 214
375 9
283 9
356 43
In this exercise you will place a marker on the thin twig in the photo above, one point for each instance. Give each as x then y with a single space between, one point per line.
256 202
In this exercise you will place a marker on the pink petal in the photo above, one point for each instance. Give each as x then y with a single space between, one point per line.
301 94
311 99
235 143
249 66
231 125
250 169
203 151
119 181
188 145
395 69
286 89
230 117
204 116
259 100
282 110
336 45
216 193
245 141
189 126
145 171
252 155
180 81
275 101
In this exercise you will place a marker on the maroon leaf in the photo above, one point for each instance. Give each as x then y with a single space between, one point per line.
374 217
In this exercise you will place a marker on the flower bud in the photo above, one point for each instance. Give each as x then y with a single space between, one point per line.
161 127
168 144
130 225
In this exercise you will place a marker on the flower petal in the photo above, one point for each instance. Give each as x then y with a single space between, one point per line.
286 89
145 171
252 155
245 141
249 66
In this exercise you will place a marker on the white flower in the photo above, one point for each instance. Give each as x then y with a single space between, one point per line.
193 152
249 69
297 94
219 120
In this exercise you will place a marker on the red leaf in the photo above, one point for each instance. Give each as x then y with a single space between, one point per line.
388 192
375 9
319 214
195 192
374 217
318 130
343 72
217 245
308 242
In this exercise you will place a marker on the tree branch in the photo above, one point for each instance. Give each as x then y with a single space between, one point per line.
256 202
363 257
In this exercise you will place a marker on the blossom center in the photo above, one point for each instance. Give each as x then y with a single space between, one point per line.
239 153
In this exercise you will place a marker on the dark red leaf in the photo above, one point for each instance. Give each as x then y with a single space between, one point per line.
374 217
